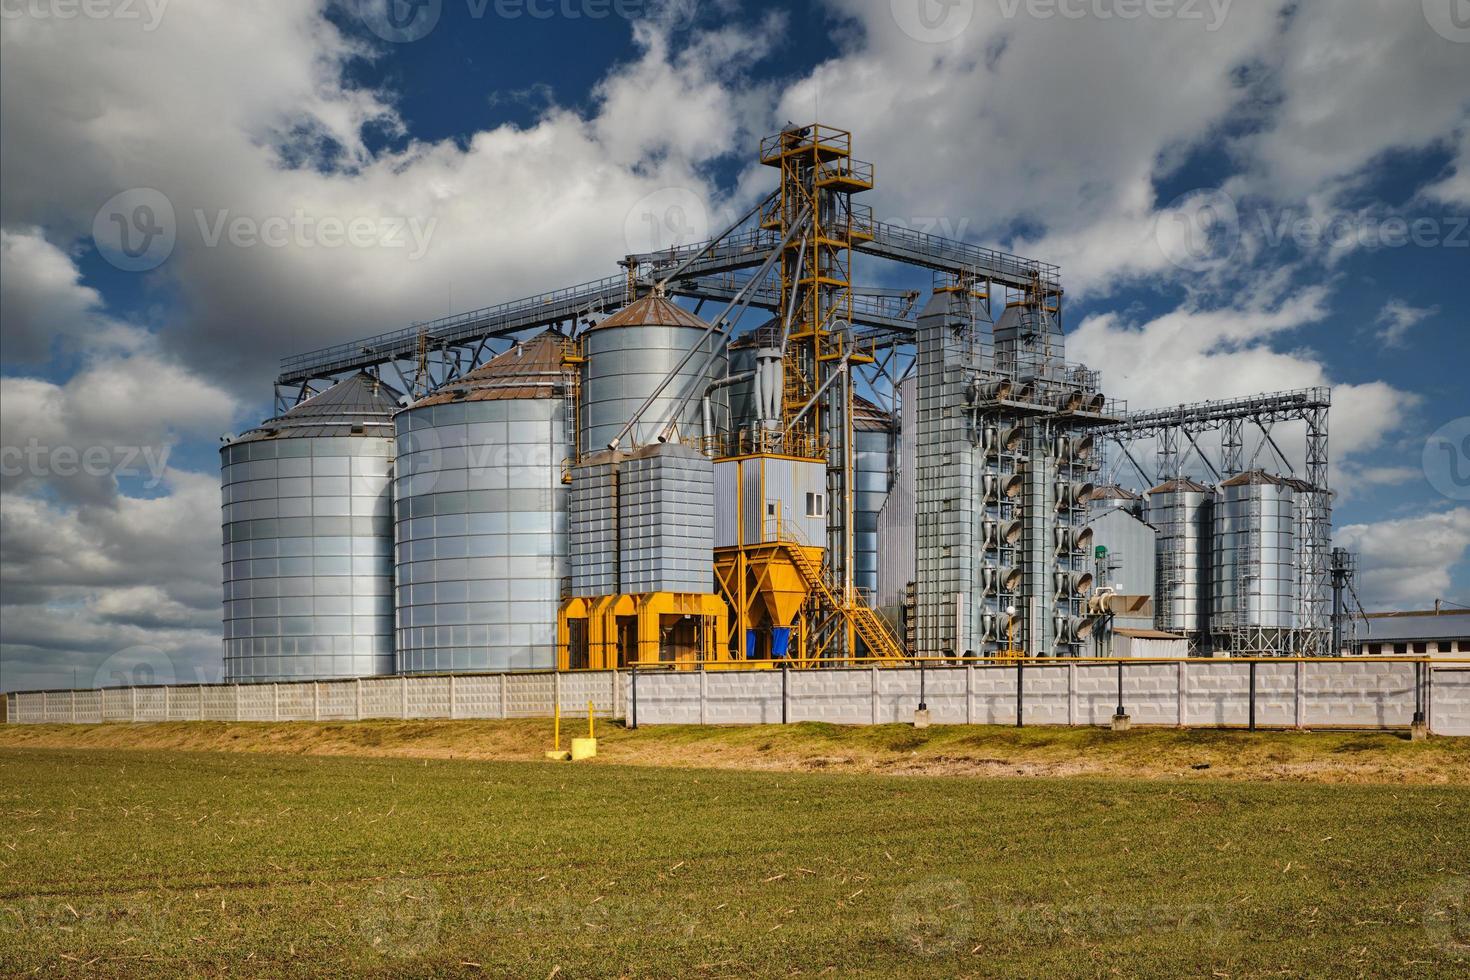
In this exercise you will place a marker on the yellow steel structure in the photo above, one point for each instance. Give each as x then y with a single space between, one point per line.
791 598
658 629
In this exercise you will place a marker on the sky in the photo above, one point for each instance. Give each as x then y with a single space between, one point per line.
1242 195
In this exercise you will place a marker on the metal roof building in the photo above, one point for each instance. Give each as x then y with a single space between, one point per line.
1433 632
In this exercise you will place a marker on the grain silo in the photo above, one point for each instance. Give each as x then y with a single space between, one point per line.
872 444
1181 511
628 357
481 515
1254 574
308 544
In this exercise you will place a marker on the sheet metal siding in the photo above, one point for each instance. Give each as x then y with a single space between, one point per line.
481 534
896 533
1131 544
1184 520
308 558
1255 555
870 490
593 529
666 522
625 364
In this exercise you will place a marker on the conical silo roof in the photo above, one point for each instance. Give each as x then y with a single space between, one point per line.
1181 484
359 405
529 370
652 310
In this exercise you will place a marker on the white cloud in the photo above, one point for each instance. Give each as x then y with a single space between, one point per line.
264 126
1397 318
1406 563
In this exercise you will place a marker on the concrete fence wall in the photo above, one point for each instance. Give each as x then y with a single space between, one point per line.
489 696
1320 694
1352 693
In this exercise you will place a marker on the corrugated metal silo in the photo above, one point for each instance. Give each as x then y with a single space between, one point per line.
481 516
872 443
628 355
1181 511
308 544
1254 569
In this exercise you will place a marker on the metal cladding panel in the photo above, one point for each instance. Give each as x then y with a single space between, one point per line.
308 558
1255 554
626 364
481 534
727 504
787 485
871 451
594 528
742 393
1184 519
1131 547
666 521
896 536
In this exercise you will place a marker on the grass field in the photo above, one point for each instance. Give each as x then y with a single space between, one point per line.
121 863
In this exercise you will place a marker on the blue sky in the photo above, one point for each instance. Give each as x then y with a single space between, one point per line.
527 146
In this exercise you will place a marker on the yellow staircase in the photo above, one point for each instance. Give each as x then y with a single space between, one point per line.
869 625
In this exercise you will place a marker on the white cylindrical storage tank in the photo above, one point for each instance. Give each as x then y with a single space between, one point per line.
628 356
872 443
308 543
481 516
1181 511
1255 553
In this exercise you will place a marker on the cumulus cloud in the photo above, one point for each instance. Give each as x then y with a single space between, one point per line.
1407 563
264 134
1397 318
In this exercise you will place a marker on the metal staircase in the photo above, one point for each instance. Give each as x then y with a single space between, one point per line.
870 627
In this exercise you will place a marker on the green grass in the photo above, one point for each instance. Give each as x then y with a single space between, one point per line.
140 863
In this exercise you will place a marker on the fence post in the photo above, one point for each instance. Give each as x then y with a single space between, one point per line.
403 696
1072 694
1253 696
167 703
357 699
1120 712
237 700
556 691
784 674
275 701
451 697
1183 693
703 693
316 701
1301 694
873 674
633 703
74 701
1020 692
969 694
201 702
132 704
1418 692
504 699
922 690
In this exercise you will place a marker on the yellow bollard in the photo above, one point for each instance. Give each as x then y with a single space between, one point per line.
557 753
586 748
